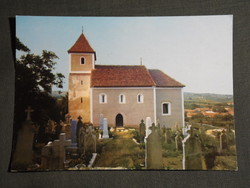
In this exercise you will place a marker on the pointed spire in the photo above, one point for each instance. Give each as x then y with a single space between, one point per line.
141 61
82 46
82 29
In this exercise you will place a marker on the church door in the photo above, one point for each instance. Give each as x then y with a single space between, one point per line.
119 120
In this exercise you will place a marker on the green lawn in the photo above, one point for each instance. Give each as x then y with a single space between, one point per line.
120 151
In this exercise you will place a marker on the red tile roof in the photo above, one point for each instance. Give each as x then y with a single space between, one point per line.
81 46
130 76
121 76
163 80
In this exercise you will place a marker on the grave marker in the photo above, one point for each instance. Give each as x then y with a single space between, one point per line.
101 121
154 150
90 141
148 125
192 154
105 128
23 155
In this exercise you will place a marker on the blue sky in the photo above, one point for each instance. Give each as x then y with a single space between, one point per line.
195 50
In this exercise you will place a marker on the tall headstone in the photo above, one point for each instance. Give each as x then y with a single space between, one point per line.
142 130
78 127
193 153
90 141
80 141
23 155
223 140
148 125
73 131
154 150
105 128
101 121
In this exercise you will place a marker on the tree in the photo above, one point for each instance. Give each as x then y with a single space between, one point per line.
33 85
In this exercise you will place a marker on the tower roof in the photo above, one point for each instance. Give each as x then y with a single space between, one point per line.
81 46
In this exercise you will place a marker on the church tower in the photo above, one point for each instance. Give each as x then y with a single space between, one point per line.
81 62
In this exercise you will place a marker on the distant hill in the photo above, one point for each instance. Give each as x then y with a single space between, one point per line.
208 97
58 94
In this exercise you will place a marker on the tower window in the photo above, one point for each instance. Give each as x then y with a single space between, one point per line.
140 98
82 61
166 108
81 82
102 98
122 98
81 99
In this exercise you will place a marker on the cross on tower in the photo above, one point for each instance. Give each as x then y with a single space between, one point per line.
29 110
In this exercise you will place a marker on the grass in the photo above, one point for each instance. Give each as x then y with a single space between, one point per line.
121 151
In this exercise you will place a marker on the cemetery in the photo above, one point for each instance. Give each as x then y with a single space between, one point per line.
74 145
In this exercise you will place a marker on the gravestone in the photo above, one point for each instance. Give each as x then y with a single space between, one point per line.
67 117
105 128
101 121
148 125
78 126
53 154
142 130
223 141
192 153
80 142
67 131
73 131
154 150
47 160
90 141
23 155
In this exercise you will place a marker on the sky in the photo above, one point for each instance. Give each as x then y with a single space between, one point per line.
195 50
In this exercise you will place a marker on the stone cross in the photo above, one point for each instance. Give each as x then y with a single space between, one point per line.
23 155
29 110
79 118
59 146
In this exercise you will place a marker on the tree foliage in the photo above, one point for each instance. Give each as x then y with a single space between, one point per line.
33 85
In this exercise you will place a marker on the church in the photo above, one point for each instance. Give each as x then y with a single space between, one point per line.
124 94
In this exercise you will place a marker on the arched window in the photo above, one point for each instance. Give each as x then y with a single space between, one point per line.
140 98
166 108
82 61
122 99
102 98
